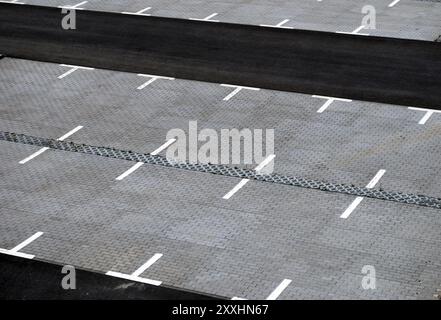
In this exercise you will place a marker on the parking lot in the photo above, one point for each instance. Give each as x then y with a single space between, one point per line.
168 226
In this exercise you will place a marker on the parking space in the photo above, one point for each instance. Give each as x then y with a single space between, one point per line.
242 248
322 138
176 227
410 19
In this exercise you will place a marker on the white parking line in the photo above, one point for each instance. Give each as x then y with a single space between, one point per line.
71 132
12 1
281 287
132 278
279 25
131 170
428 114
146 265
236 90
74 68
275 294
76 6
329 101
139 164
135 276
14 251
393 3
356 31
32 156
153 79
163 147
235 189
207 18
139 13
265 162
245 181
358 200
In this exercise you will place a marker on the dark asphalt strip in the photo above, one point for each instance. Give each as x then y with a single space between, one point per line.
397 71
24 279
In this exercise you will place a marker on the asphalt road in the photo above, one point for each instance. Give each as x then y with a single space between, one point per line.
405 72
30 279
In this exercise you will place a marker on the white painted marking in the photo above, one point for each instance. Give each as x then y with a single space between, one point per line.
139 164
207 18
393 3
146 265
237 298
356 31
325 105
17 254
236 90
67 73
352 207
135 276
26 242
153 78
32 156
132 278
243 182
11 1
65 136
73 69
71 132
131 170
375 179
76 6
232 94
265 162
139 13
358 200
279 25
329 101
14 251
429 113
163 147
235 189
276 293
426 117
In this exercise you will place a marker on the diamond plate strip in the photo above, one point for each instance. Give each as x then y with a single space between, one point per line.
223 170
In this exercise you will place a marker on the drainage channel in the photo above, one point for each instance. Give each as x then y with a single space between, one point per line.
405 198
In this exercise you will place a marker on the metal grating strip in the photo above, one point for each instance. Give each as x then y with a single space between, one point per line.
420 200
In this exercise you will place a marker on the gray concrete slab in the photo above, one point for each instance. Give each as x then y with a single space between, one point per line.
410 19
241 247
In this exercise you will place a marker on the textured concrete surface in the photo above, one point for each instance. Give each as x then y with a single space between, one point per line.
241 247
410 19
375 69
